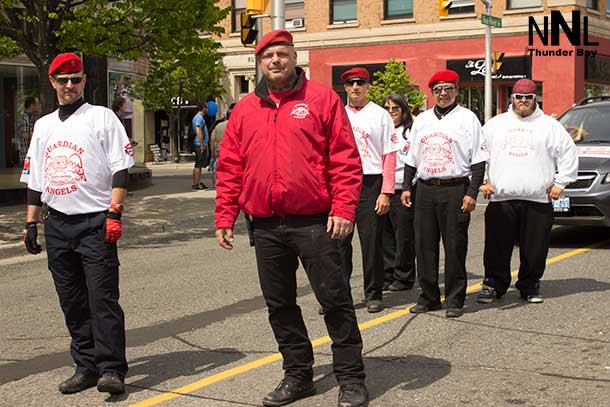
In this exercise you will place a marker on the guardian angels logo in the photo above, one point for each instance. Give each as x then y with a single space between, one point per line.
300 111
63 167
437 154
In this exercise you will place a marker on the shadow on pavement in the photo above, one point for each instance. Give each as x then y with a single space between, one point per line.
575 237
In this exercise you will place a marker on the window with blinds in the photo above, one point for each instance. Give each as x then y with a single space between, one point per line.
398 9
343 11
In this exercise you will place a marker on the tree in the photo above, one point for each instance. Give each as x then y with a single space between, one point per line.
394 78
123 29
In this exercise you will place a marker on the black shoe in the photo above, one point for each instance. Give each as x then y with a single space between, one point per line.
487 295
290 389
353 395
454 312
111 382
400 286
77 383
386 285
374 306
420 309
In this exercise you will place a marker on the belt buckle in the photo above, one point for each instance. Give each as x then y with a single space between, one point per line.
435 181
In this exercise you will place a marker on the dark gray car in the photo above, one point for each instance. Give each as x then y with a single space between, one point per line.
586 201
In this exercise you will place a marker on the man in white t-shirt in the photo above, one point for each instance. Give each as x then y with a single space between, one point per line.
77 165
531 160
377 144
448 156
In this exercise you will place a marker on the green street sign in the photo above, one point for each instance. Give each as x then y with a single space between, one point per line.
491 20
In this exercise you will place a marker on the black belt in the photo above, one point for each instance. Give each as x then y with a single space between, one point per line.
445 181
59 214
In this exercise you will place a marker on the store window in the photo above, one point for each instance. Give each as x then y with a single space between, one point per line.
593 4
398 9
461 7
343 11
237 8
513 4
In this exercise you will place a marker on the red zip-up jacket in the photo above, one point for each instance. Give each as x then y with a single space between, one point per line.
298 158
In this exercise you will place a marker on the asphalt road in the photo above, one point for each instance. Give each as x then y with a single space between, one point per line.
198 333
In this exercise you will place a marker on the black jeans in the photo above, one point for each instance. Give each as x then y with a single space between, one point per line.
279 244
506 222
370 232
438 215
85 271
399 242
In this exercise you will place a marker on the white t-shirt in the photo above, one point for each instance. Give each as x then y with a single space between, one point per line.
401 155
528 155
375 136
446 148
72 162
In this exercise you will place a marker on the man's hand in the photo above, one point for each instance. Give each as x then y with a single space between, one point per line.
114 227
382 206
339 227
224 237
468 204
30 238
487 189
554 191
405 199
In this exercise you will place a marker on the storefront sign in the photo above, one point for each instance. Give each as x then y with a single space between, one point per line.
473 70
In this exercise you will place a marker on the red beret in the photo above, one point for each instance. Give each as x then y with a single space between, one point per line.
275 37
358 73
66 63
444 76
524 86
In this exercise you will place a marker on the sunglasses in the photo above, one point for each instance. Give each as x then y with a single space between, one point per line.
75 80
360 82
526 96
439 89
392 108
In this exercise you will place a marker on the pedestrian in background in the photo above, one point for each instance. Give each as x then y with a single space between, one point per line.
200 145
531 160
26 127
289 161
377 144
78 168
398 235
118 107
448 157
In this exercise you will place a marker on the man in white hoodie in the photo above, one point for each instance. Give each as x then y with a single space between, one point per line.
531 160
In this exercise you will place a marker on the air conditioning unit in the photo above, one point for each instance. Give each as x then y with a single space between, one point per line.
297 22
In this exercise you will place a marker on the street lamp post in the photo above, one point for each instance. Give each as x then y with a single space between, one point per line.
488 88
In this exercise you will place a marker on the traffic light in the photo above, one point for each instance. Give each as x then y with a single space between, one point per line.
443 7
496 61
255 6
248 30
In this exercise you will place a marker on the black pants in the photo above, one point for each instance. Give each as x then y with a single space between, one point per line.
279 244
370 232
85 271
516 220
438 215
399 243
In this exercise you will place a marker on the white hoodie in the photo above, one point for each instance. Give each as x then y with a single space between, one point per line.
527 155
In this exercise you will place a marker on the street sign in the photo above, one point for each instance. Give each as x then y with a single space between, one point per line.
491 20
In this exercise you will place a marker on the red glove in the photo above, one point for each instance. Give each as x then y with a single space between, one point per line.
114 228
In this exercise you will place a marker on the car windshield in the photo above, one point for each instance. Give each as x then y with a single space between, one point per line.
590 124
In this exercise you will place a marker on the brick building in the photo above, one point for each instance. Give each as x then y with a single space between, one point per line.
333 35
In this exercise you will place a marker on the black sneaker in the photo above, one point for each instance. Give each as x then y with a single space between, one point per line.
353 395
78 382
373 306
400 286
454 312
290 389
386 285
488 294
419 308
111 382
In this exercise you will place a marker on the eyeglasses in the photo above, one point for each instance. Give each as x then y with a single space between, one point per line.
75 80
360 82
526 96
439 89
392 108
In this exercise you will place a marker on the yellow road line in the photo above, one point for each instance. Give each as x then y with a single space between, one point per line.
189 388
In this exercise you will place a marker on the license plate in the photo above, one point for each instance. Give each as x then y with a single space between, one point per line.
561 204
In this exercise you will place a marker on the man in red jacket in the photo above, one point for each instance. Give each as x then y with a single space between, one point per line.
288 160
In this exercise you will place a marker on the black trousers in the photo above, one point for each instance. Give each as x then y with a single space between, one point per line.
279 244
85 271
370 232
438 215
399 243
529 223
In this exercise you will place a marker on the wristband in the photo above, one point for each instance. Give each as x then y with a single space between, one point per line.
114 215
116 207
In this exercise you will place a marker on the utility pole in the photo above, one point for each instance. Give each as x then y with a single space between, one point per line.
278 11
488 86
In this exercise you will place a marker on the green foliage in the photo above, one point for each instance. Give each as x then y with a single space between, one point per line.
394 78
9 48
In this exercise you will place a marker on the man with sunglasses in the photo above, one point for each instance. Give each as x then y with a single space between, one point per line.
531 160
77 165
377 143
448 156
